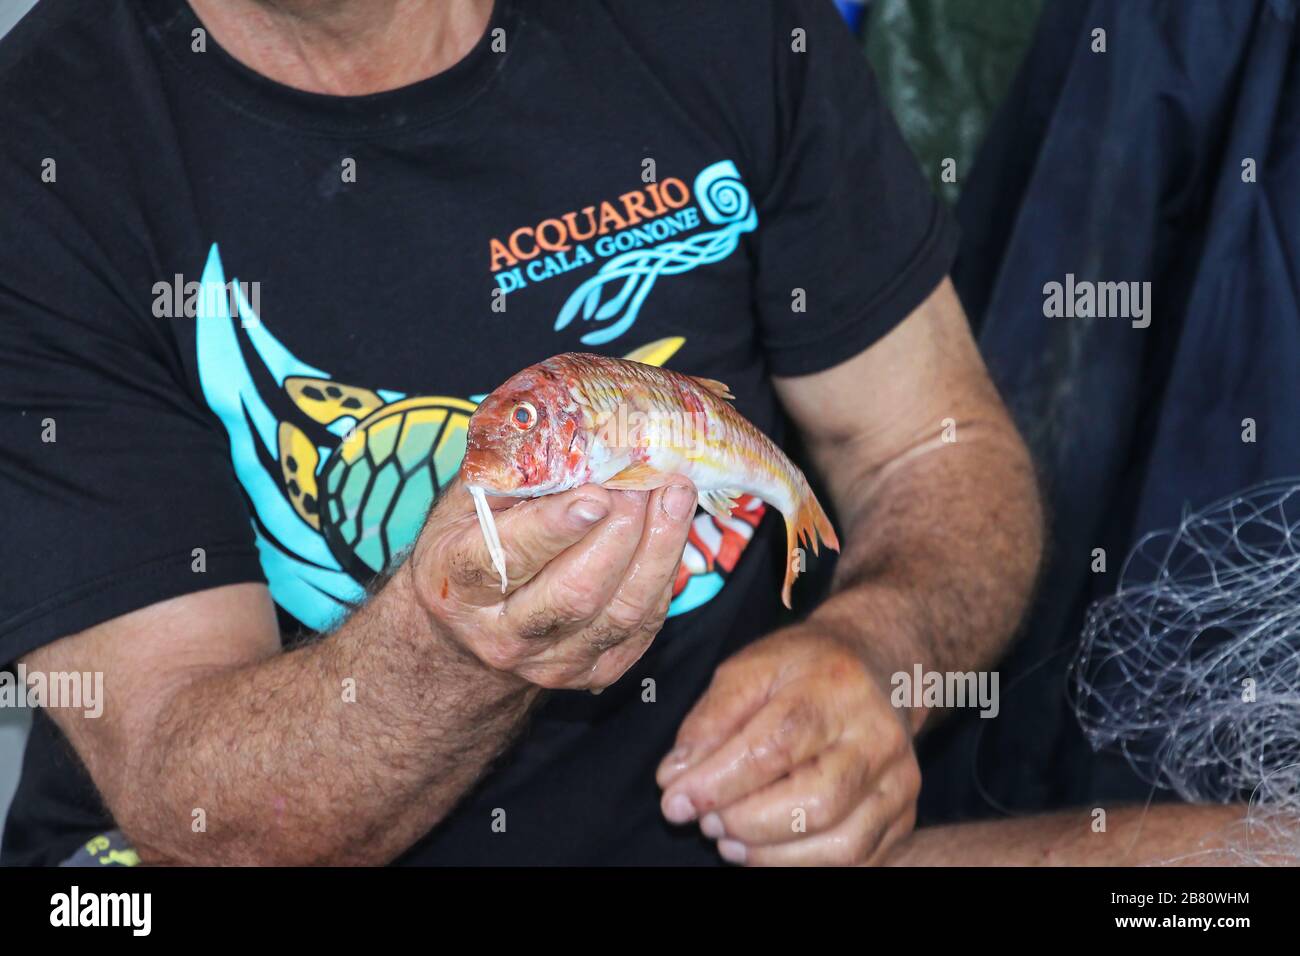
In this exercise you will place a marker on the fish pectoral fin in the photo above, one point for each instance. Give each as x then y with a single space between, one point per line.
720 389
638 477
719 502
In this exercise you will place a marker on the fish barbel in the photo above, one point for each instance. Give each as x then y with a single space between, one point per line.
576 419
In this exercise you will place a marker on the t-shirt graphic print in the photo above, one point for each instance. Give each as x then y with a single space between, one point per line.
340 475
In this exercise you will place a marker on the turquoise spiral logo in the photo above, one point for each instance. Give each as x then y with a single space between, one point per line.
723 200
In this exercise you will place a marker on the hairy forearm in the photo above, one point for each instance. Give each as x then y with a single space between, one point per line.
943 545
344 750
1167 834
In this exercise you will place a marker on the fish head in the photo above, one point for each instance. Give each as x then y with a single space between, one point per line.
521 438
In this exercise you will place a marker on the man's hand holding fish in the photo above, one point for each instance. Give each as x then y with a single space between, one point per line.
590 578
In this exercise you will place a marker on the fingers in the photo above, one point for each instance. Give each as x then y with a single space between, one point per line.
637 604
865 836
588 587
814 798
786 731
532 534
833 810
615 662
577 583
731 699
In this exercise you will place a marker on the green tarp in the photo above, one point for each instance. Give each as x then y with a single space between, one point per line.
944 66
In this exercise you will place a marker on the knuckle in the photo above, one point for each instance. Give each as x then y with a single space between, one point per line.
800 716
573 602
665 605
770 753
651 627
601 636
463 570
623 615
540 624
655 622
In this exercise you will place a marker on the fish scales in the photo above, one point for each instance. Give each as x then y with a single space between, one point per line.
579 418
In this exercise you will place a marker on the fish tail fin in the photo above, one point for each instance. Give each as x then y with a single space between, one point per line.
808 523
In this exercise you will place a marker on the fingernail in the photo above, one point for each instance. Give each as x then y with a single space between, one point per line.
711 826
678 502
733 851
585 511
679 809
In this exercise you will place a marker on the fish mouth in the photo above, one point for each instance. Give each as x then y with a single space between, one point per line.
489 471
498 484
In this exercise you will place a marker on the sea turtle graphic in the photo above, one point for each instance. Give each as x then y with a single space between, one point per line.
368 496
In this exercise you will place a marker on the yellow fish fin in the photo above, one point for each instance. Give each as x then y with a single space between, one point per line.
638 477
713 385
719 502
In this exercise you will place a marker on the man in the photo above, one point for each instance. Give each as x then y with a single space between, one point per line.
218 500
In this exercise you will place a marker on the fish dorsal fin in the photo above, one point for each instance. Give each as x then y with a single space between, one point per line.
638 477
719 389
719 502
657 352
325 401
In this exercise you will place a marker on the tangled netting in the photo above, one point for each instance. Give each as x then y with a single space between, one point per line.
1192 668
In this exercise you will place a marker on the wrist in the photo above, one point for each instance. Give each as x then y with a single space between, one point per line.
878 635
440 648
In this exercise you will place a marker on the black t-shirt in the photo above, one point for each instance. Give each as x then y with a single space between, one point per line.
254 321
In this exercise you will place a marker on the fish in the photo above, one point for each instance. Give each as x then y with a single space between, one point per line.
578 418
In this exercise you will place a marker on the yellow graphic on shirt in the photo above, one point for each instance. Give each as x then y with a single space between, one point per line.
340 477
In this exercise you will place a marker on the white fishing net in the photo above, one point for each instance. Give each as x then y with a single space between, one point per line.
1192 668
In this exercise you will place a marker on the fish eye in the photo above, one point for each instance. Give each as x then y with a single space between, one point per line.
524 416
